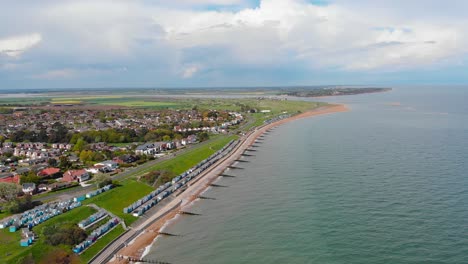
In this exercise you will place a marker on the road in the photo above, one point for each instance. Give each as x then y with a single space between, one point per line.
78 191
195 189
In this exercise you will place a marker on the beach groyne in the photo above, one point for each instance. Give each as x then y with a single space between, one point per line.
201 183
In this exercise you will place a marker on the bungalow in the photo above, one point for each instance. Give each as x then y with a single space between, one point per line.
75 175
95 169
109 164
10 177
128 158
42 187
29 188
49 173
146 149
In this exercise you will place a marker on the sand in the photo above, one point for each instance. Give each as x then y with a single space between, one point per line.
140 245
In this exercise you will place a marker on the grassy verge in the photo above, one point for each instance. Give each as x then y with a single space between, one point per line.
190 158
120 197
42 195
4 214
101 243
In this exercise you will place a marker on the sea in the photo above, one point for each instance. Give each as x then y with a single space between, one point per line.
386 182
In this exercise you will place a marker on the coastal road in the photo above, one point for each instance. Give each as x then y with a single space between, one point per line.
193 191
78 191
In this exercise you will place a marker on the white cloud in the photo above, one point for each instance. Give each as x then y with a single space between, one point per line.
16 45
322 36
190 71
176 40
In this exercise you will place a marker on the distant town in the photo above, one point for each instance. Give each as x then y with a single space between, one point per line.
58 147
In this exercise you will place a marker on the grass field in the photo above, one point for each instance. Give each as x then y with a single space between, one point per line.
120 197
101 243
190 158
59 101
4 214
11 251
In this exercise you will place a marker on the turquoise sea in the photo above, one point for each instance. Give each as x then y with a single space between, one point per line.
386 182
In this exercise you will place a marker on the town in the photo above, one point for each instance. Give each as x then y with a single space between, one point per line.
49 150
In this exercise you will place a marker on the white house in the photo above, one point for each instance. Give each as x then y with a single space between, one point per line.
29 188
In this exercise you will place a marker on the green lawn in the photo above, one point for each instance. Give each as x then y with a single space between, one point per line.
42 195
12 252
101 243
4 214
190 158
120 197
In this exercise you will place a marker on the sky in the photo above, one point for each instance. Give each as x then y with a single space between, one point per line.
227 43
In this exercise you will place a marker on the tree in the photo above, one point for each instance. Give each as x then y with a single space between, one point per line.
30 177
63 233
64 163
52 162
20 205
102 180
80 145
203 136
9 191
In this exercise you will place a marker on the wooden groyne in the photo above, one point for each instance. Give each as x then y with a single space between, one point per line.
187 213
217 185
227 175
141 260
206 198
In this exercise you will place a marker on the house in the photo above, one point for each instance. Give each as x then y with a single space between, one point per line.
146 149
42 187
109 164
49 173
29 188
75 175
95 169
10 177
128 158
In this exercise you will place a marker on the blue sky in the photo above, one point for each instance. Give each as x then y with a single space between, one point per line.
193 43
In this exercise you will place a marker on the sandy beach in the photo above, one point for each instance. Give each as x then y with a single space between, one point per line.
140 245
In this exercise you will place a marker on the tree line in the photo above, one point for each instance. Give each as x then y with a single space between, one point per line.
61 134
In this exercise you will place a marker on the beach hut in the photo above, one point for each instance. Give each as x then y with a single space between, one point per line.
25 242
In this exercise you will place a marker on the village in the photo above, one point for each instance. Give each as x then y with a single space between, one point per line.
95 142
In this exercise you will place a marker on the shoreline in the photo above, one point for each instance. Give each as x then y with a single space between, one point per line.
141 245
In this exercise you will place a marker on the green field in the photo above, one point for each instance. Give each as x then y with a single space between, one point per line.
101 243
185 161
12 252
120 197
4 214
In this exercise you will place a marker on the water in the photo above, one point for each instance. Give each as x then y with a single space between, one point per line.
383 183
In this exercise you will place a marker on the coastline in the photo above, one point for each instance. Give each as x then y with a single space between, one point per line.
141 245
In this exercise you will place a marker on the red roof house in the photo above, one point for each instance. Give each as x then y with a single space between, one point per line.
49 172
75 175
10 178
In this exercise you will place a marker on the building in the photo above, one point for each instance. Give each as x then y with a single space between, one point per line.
29 188
10 177
49 173
75 175
109 164
146 149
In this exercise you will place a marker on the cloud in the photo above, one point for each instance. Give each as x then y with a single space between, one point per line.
16 45
172 42
190 71
323 36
